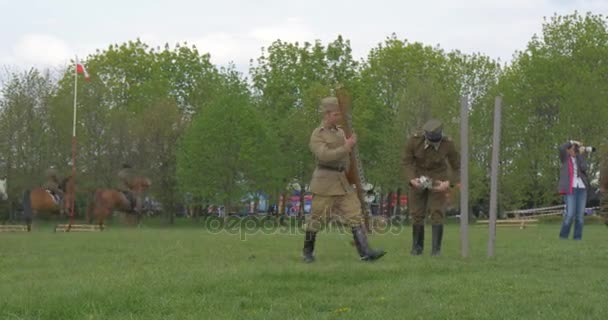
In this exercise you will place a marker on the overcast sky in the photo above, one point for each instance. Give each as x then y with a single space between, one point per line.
47 33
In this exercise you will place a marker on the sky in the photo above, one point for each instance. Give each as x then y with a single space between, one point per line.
48 33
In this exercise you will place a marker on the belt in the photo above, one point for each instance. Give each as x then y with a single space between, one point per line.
339 169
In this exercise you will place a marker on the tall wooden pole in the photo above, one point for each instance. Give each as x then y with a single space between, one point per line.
494 176
464 177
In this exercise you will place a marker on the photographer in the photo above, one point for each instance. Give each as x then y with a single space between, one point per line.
604 185
573 185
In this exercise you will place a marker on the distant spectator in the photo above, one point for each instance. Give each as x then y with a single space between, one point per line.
573 185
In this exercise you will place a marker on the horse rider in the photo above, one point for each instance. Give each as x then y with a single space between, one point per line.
52 184
125 183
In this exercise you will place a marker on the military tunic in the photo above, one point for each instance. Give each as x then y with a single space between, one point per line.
52 182
125 177
332 194
422 158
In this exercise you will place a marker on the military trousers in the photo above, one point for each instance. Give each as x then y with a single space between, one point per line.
423 202
346 209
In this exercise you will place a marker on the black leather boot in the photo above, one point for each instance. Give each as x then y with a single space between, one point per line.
437 237
417 239
309 246
365 252
358 246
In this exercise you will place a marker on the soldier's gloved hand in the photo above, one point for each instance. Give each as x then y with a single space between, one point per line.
415 183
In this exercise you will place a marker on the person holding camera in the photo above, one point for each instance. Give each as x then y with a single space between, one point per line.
573 185
604 186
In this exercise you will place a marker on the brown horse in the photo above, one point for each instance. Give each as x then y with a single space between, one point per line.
105 201
39 200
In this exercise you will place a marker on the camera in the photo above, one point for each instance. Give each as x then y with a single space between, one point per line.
425 182
587 149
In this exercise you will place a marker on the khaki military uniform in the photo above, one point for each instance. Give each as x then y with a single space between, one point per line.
125 185
333 196
52 182
421 158
125 177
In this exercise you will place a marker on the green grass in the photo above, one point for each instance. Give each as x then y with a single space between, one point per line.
193 273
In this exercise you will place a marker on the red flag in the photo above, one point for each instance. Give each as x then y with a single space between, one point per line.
80 69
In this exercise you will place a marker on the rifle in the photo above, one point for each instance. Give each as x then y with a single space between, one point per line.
354 175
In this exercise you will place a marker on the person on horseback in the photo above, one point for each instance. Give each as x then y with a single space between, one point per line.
125 181
52 182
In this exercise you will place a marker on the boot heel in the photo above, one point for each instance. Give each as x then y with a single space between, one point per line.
365 252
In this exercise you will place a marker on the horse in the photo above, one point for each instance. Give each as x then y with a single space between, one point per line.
105 201
39 199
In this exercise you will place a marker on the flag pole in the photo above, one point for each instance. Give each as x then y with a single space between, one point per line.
73 180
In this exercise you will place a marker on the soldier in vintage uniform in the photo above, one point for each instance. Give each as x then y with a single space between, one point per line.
125 179
52 182
425 163
332 194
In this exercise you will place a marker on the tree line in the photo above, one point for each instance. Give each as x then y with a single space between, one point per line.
217 134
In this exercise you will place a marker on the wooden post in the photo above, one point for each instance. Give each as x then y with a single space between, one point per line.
398 204
494 176
464 177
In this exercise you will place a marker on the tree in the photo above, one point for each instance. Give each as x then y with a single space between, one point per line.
401 86
228 150
289 80
555 90
134 110
27 143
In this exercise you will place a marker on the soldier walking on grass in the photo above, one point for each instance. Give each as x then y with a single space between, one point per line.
332 194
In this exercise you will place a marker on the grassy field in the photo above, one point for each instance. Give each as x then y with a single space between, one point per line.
199 273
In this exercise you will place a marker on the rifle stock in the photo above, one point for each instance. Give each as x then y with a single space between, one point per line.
355 173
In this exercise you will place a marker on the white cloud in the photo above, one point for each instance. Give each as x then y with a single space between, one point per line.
293 29
493 27
240 47
224 47
40 49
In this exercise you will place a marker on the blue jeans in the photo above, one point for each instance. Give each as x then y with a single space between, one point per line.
575 207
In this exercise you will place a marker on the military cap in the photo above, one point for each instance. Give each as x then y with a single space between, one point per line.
329 104
433 130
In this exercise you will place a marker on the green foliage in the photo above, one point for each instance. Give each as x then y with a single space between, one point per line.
193 128
26 139
289 80
133 110
554 91
229 148
404 84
